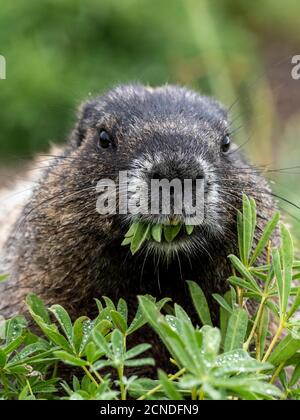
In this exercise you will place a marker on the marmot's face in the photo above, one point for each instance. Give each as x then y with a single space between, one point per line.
159 134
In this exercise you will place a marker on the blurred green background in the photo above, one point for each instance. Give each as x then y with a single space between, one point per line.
60 52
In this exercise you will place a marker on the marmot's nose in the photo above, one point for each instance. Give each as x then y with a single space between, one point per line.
173 169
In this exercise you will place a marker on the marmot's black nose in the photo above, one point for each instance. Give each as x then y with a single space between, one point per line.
173 169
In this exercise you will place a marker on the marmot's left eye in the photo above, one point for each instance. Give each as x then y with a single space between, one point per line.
104 139
226 142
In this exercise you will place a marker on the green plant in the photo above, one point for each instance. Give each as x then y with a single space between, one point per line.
139 232
247 357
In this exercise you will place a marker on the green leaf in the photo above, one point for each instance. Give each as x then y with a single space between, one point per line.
247 229
15 328
64 320
133 228
170 232
211 342
100 364
38 358
3 358
77 332
296 376
109 303
139 237
287 254
254 219
189 229
99 305
139 362
168 387
286 349
126 241
224 316
240 267
118 321
142 385
222 302
117 340
188 335
200 303
27 351
45 387
236 331
181 314
280 281
156 232
176 346
101 342
87 328
37 307
137 350
70 359
245 386
295 305
123 309
264 240
273 308
237 281
51 332
238 361
140 318
92 353
153 316
240 234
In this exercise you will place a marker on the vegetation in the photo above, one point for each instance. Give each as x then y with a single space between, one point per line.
249 356
140 232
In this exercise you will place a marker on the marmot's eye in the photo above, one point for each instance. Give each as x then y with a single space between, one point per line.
104 139
226 144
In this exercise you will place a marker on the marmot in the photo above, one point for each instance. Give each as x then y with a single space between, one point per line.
61 249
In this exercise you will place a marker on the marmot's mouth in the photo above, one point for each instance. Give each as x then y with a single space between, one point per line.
157 234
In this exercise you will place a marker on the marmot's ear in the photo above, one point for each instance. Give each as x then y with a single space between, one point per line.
84 121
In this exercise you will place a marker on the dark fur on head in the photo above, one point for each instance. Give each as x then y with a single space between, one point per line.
64 251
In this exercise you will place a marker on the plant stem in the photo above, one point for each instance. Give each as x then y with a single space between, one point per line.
29 387
54 373
201 394
276 373
259 312
194 394
122 386
158 387
260 329
240 295
274 341
100 379
88 373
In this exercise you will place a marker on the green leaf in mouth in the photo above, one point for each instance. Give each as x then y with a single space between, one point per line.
139 237
189 229
171 231
139 232
156 232
132 230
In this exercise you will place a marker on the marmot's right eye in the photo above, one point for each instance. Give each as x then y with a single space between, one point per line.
104 139
226 143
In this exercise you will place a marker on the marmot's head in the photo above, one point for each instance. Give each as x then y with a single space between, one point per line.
162 133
